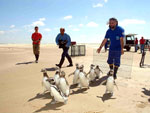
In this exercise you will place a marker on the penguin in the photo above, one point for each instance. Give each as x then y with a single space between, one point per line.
56 93
83 79
97 71
57 77
91 73
63 84
110 83
45 83
76 75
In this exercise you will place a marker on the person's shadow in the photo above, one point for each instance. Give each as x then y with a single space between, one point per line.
50 106
41 96
105 97
30 62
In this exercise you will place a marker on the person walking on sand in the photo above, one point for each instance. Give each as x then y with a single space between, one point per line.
116 34
63 41
142 44
36 39
136 44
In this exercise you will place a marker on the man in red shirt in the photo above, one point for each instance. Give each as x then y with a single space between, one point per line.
36 38
136 44
142 43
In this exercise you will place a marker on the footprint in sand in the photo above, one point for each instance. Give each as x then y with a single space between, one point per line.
142 105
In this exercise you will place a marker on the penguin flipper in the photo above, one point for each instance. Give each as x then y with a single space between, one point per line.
71 74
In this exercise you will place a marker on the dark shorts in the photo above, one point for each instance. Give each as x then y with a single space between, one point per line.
36 49
114 58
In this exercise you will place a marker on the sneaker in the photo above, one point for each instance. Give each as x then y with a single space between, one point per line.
58 65
36 61
70 65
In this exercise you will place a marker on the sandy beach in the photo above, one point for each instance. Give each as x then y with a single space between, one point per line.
20 82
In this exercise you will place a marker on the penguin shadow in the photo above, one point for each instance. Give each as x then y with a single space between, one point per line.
52 69
79 91
99 81
73 86
50 106
146 92
149 100
41 96
105 97
30 62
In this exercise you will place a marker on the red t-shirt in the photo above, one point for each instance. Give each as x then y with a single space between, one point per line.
136 41
142 41
36 37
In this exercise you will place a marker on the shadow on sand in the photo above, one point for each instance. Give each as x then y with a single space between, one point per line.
146 66
41 96
52 69
50 106
25 63
146 92
106 97
73 86
79 91
99 81
55 68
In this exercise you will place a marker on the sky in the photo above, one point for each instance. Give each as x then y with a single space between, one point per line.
84 20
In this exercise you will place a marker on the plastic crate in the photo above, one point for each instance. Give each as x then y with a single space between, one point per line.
77 50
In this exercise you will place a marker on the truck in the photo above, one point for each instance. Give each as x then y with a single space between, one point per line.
128 41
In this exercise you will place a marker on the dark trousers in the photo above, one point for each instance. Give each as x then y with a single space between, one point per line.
65 54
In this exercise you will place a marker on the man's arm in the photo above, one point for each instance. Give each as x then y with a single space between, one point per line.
39 38
56 40
122 45
32 37
102 44
68 41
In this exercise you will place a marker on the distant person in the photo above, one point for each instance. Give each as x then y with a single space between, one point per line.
147 44
106 46
63 41
142 44
136 44
116 34
36 38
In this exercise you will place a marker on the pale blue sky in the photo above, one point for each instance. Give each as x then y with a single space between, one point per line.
84 20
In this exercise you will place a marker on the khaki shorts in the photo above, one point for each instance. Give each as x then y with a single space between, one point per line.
36 49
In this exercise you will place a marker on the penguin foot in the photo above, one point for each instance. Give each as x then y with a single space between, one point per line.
112 94
53 102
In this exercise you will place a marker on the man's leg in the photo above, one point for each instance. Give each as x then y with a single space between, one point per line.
110 60
135 48
141 48
116 63
62 58
115 72
37 58
37 52
68 57
111 66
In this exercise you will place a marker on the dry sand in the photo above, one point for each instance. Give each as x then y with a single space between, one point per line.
20 82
